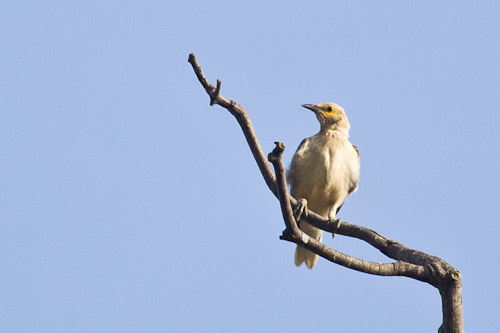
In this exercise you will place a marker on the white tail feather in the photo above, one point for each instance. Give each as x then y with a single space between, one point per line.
302 255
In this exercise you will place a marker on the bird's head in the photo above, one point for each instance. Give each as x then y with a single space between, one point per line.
330 116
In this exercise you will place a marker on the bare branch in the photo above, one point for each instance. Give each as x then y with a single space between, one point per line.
410 263
440 272
451 298
242 117
276 158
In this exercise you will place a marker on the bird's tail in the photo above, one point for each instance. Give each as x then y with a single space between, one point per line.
303 255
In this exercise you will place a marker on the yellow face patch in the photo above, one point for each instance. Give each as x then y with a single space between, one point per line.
330 110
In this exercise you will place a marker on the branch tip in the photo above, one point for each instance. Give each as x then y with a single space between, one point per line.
279 145
277 152
215 98
217 89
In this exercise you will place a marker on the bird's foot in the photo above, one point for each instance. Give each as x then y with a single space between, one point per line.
300 210
338 221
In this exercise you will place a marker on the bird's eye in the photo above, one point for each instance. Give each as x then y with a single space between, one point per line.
329 109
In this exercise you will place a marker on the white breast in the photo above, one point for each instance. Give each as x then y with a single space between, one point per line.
323 172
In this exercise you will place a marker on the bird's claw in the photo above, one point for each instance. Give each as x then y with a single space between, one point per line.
339 221
300 210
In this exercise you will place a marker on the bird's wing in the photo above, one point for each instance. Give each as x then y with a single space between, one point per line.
354 186
356 149
304 145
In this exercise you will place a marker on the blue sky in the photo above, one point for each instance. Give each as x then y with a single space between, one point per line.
128 204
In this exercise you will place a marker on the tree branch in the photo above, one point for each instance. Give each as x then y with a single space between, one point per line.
410 263
242 117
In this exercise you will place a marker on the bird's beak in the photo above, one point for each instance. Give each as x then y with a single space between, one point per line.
311 107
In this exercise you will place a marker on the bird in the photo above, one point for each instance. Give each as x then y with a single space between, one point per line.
324 171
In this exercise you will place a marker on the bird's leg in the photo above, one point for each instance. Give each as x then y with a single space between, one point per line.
300 210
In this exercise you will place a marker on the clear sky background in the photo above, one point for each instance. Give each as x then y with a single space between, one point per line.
128 204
